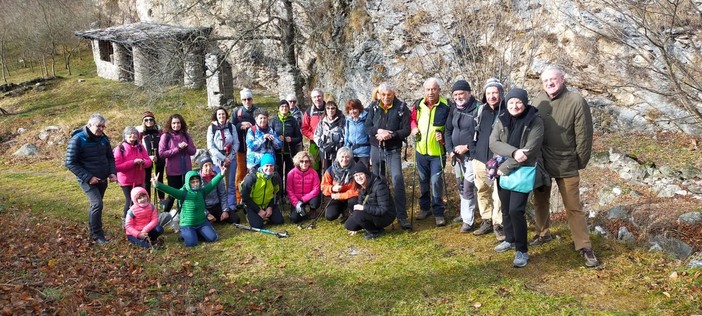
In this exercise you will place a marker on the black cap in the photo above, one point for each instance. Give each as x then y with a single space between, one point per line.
205 159
359 167
461 85
283 102
518 93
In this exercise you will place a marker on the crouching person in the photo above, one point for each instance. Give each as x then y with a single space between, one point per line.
337 182
141 224
193 217
258 193
303 188
376 209
216 201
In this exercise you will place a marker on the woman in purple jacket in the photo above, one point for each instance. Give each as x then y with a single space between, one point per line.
176 146
131 159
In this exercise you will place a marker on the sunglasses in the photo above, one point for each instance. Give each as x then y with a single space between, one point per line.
148 120
304 161
331 108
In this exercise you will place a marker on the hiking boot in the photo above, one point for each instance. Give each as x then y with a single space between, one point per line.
504 246
373 235
101 241
539 240
423 214
457 219
465 228
520 259
589 256
342 218
440 221
404 223
499 232
485 227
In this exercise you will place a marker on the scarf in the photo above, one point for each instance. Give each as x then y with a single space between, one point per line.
341 175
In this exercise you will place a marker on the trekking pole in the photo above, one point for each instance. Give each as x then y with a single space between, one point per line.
414 186
323 210
442 159
265 231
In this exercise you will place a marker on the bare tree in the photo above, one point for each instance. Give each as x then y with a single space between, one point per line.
659 52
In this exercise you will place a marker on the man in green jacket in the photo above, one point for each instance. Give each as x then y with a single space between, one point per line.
566 149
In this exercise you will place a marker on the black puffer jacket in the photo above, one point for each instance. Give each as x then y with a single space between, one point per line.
287 127
397 120
376 197
89 155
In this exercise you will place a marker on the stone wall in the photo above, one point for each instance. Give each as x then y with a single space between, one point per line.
349 46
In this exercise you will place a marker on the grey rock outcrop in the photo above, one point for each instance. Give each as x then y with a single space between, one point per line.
27 150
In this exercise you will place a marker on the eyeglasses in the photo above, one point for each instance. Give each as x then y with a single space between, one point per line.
292 101
148 120
304 161
331 108
284 106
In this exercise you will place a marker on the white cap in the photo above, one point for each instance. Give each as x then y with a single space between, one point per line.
246 94
291 97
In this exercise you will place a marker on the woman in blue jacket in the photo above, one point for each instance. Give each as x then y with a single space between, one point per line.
355 136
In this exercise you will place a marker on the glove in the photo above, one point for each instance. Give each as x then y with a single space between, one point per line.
299 209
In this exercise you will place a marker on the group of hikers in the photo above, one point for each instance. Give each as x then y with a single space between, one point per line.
502 148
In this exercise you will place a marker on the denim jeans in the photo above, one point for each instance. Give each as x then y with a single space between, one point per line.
431 182
191 234
391 159
153 235
95 193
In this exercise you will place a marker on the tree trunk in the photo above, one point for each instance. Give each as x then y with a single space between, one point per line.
288 39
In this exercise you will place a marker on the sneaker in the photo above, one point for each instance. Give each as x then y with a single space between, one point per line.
539 240
457 219
440 221
423 215
589 256
499 232
466 228
404 223
504 246
485 227
101 241
520 259
373 235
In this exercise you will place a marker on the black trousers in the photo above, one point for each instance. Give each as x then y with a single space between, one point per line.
371 223
513 217
337 207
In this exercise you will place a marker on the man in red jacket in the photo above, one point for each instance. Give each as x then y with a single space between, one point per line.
310 121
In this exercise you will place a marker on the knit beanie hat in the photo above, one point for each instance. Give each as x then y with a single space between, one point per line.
147 114
283 102
267 159
518 93
246 94
359 167
493 82
205 159
461 85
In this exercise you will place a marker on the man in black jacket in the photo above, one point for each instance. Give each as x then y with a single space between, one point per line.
388 124
460 128
89 157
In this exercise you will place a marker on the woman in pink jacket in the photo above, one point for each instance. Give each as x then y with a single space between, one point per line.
176 146
142 220
131 159
302 186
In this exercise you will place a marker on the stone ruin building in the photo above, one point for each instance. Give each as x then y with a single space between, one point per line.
158 54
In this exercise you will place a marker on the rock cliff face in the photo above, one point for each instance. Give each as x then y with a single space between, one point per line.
640 70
